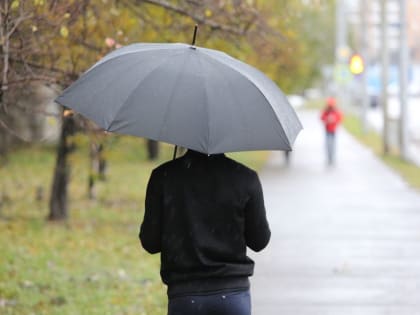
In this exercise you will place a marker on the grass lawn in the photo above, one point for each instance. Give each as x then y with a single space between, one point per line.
409 171
316 104
91 264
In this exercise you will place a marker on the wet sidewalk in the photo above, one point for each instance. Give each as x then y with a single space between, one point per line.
345 239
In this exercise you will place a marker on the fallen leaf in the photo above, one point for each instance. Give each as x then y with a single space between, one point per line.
64 32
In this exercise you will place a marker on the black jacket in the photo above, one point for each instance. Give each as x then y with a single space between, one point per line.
201 213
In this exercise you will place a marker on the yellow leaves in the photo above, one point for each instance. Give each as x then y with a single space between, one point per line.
114 11
64 31
208 13
15 5
67 15
39 2
91 18
291 34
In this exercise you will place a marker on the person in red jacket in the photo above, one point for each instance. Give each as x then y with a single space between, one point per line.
331 117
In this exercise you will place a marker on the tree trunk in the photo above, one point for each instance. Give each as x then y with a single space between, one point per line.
93 169
97 167
58 198
4 30
152 149
4 137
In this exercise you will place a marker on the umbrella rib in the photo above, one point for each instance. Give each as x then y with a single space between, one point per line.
236 101
140 85
206 105
108 124
165 116
284 138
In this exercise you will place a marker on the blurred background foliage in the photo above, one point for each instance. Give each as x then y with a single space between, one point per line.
90 263
58 40
47 44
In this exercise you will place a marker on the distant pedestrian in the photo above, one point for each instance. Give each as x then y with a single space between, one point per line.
202 212
331 117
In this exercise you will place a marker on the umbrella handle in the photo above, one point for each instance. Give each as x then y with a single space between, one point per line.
175 149
195 35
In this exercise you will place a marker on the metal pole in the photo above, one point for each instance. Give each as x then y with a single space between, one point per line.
403 126
195 35
339 48
365 56
337 42
337 32
175 151
385 65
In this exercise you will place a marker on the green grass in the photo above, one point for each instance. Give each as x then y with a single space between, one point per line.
409 171
315 104
91 264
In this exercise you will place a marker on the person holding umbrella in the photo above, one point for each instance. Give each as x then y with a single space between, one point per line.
202 212
203 209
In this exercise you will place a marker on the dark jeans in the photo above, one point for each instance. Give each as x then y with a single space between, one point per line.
229 303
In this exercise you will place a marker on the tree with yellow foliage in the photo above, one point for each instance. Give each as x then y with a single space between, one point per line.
54 41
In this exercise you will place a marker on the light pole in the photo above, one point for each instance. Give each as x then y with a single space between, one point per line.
365 56
403 72
341 51
385 65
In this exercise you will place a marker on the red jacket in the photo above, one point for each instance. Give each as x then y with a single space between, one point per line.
331 117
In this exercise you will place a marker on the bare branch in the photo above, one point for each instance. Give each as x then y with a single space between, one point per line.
196 17
12 132
33 78
17 22
32 110
5 51
43 67
88 45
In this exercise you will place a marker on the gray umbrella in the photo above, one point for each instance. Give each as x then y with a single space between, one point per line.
193 97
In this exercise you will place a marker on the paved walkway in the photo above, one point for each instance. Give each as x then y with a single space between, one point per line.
345 240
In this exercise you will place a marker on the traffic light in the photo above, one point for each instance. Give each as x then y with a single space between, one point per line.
356 64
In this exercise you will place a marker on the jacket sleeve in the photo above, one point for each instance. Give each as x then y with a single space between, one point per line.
150 230
257 231
323 116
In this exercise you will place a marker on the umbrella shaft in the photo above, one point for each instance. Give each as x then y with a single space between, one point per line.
175 149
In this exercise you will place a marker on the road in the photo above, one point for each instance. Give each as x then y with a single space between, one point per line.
345 239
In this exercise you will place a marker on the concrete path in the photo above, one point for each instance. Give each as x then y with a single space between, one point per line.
345 239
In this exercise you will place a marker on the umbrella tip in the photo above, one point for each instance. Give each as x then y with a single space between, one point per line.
195 34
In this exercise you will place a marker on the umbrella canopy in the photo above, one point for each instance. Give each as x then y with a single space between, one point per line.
189 96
